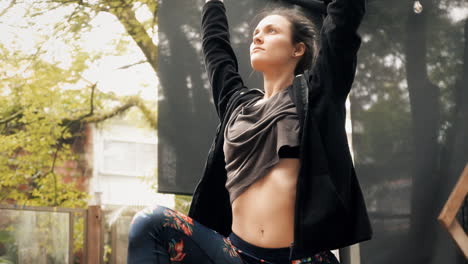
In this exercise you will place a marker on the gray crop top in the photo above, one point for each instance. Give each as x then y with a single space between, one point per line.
253 137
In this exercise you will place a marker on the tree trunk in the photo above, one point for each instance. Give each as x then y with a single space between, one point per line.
425 110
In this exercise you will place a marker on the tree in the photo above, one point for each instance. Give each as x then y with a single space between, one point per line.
41 123
409 113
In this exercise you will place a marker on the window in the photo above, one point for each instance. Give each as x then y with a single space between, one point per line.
128 158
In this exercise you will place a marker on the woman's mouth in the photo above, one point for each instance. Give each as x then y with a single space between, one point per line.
256 49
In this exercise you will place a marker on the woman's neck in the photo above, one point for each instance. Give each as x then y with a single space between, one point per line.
274 82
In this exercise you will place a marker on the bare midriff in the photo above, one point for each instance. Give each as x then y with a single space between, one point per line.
263 215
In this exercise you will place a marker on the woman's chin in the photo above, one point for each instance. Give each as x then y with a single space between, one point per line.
257 66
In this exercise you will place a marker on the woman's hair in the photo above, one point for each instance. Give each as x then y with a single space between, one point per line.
303 30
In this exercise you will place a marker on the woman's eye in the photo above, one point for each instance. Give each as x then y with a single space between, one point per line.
272 30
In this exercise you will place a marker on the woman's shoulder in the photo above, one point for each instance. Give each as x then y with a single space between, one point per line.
250 96
246 97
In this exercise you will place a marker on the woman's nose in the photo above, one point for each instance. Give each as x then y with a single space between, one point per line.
257 39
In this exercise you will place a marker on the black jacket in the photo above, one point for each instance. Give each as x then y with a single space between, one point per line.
330 211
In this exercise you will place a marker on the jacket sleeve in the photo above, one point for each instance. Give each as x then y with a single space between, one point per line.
220 60
335 65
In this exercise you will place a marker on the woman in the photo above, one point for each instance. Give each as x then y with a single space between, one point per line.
279 185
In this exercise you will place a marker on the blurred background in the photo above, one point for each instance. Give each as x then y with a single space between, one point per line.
105 103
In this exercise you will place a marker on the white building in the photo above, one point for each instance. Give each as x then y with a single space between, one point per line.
124 158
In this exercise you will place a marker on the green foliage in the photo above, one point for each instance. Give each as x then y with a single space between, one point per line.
182 203
78 233
7 246
41 117
33 108
45 105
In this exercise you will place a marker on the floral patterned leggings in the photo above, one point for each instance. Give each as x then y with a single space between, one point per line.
160 235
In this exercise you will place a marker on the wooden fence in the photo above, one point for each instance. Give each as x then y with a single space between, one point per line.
93 229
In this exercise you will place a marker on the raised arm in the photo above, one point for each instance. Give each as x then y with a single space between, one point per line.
335 65
220 60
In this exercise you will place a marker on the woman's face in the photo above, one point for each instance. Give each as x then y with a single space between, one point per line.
271 44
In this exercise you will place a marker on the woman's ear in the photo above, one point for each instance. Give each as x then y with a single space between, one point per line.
299 49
